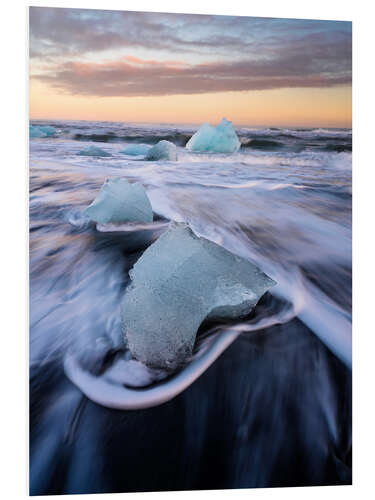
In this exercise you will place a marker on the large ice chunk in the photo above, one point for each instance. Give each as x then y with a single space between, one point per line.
120 201
220 139
41 131
136 149
178 282
163 150
94 151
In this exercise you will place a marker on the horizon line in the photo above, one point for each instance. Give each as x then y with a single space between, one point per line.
238 124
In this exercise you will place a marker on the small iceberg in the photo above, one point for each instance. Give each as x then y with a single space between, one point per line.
119 201
136 149
178 282
94 151
41 131
163 150
220 139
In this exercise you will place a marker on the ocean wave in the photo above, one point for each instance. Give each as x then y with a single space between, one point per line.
307 133
180 139
263 144
117 387
267 139
338 148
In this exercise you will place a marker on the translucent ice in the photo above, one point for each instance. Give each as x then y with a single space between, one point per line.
35 132
94 151
163 150
41 131
136 149
220 139
178 282
120 201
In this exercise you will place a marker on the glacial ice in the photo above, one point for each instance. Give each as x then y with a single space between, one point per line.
178 282
41 131
163 150
136 149
35 132
120 201
220 139
94 151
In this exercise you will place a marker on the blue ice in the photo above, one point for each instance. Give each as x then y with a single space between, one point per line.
220 139
178 282
94 151
119 201
41 131
163 150
136 149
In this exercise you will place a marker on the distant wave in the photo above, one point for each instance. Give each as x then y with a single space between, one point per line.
313 133
264 144
338 148
319 143
267 140
180 139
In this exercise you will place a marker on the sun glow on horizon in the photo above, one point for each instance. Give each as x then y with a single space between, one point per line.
330 107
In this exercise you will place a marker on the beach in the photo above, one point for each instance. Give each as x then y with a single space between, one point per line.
282 389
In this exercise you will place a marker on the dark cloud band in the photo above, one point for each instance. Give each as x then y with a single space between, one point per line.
124 79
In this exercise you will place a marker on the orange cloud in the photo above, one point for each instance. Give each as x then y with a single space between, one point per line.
145 62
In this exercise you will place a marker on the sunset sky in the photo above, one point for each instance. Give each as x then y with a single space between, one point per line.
174 68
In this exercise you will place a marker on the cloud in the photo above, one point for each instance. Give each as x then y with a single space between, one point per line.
258 53
136 77
77 31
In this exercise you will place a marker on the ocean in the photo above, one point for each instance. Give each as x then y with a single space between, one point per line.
274 409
